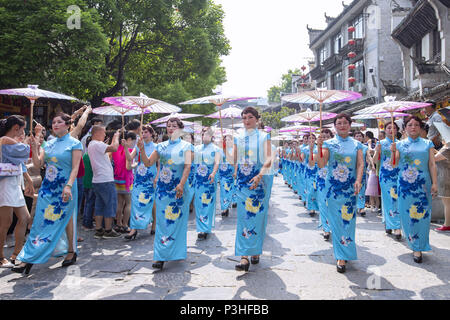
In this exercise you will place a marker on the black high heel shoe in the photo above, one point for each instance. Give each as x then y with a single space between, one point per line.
398 237
158 265
70 262
225 213
341 269
418 259
254 260
326 236
241 266
24 269
131 237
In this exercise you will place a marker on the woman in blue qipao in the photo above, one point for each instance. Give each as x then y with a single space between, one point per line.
321 190
57 199
206 161
361 201
172 208
190 189
294 161
388 180
311 175
252 153
416 186
344 159
144 185
302 169
226 178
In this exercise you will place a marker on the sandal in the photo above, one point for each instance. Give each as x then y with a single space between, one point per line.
13 258
242 266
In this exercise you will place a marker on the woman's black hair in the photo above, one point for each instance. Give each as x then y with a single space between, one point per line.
343 115
130 135
252 111
369 134
152 131
358 132
388 122
178 121
326 130
65 117
416 118
8 123
133 125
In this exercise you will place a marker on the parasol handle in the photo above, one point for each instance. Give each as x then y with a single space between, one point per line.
321 153
393 138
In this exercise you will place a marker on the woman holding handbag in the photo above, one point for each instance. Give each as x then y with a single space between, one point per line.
12 157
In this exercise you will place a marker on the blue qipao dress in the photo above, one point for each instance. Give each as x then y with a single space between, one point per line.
302 176
340 197
252 205
172 214
388 185
361 201
227 183
52 214
321 199
143 193
414 192
205 192
310 181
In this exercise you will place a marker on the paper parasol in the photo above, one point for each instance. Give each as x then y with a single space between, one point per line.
144 103
32 92
177 115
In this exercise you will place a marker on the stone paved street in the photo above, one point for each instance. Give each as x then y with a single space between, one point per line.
297 264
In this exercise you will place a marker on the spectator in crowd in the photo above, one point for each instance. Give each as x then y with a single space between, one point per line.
103 182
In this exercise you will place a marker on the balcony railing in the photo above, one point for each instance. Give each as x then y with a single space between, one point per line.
357 48
332 62
317 73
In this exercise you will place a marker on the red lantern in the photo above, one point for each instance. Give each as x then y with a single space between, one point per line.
351 29
304 76
351 42
351 55
351 79
303 68
351 67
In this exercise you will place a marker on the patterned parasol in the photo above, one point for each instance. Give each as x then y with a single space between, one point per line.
176 115
32 92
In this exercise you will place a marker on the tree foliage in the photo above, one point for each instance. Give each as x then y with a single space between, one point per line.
167 49
273 119
274 93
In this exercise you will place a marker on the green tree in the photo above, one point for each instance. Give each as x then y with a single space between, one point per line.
156 43
37 47
164 48
274 93
273 119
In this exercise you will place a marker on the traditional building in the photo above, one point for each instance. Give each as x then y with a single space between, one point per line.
423 37
356 52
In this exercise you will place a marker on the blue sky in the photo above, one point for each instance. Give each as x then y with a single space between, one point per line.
269 37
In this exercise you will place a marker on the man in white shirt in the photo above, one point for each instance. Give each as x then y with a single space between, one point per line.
103 181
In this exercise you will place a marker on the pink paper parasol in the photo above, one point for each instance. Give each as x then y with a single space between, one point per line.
177 115
144 103
322 96
118 111
391 106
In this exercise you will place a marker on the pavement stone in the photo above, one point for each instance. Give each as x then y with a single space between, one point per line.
296 264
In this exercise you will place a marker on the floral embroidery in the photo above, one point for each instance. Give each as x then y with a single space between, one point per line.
341 173
394 195
38 241
246 168
141 169
52 173
416 215
251 207
166 175
143 198
202 170
410 174
248 233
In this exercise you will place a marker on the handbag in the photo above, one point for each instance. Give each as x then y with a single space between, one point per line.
8 169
